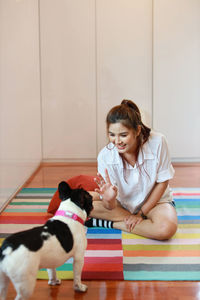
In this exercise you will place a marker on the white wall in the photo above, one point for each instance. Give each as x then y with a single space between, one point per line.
94 54
176 101
124 58
20 122
68 79
97 52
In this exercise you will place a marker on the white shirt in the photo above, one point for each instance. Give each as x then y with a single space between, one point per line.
135 183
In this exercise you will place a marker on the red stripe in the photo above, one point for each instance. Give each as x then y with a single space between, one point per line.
103 268
102 275
23 219
104 241
15 214
103 260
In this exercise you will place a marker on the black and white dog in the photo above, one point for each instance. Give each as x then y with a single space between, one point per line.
63 236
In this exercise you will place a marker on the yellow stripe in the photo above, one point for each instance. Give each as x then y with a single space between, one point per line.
176 236
186 236
132 236
61 275
189 225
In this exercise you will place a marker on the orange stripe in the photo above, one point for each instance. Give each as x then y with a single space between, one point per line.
171 253
5 214
103 267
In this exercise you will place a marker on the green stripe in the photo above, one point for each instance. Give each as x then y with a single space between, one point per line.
29 203
187 205
160 247
37 190
188 210
25 210
143 275
64 267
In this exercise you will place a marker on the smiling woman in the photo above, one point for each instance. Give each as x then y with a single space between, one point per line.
133 174
125 140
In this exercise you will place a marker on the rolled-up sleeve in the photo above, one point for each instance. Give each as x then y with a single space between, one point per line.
165 169
101 165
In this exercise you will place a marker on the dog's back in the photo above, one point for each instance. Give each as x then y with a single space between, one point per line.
47 246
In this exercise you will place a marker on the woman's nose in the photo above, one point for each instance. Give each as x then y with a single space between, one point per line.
117 140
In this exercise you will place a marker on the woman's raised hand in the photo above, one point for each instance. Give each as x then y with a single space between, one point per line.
106 190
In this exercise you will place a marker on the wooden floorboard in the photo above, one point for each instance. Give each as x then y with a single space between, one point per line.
49 175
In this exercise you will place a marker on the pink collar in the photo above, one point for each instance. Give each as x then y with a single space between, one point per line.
70 215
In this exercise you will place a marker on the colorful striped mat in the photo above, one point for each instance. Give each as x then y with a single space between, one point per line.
115 255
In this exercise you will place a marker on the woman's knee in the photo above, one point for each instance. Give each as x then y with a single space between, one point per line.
166 230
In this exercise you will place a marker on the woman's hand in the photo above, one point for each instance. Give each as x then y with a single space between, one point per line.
106 190
132 221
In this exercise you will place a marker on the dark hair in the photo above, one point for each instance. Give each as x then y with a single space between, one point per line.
129 115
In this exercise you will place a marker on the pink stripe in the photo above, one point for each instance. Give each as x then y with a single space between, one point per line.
102 253
152 242
185 194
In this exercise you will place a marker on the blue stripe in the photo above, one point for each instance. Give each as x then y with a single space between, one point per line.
97 230
188 217
104 236
187 200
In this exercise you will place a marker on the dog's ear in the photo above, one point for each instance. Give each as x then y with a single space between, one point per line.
88 203
64 190
82 199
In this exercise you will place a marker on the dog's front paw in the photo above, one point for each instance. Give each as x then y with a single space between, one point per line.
54 282
80 287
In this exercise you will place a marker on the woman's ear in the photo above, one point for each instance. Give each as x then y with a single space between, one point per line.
138 130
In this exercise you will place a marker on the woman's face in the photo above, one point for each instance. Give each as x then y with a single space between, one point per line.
123 138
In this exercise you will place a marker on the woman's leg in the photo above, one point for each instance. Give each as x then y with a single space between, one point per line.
117 214
161 223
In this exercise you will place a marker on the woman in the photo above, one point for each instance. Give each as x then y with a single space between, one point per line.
134 170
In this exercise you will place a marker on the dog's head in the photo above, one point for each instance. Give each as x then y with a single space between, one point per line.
79 196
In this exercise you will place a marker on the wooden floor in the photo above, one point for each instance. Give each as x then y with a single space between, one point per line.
48 175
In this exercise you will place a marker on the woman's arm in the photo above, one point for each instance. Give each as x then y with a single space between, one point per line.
154 197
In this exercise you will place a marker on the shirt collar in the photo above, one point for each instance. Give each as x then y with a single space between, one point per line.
144 154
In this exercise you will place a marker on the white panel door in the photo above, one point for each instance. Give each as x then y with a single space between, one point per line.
124 57
176 101
68 79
